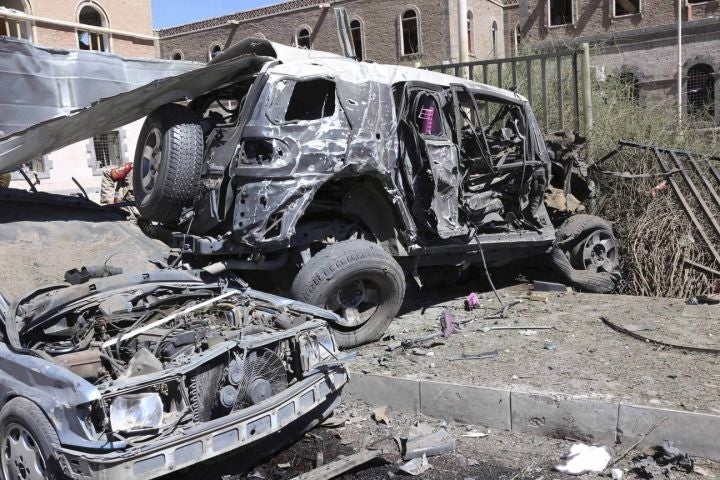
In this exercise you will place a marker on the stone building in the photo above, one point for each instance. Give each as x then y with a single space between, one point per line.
416 32
637 40
122 27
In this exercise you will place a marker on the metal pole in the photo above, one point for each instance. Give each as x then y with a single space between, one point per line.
462 34
587 89
680 65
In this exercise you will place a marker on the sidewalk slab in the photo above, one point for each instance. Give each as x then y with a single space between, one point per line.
557 416
695 433
399 394
489 407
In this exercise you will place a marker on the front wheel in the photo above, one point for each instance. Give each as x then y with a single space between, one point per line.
359 281
28 443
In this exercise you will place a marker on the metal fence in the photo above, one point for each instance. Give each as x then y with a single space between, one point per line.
551 82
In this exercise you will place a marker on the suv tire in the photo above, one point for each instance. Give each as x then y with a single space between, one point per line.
358 280
168 163
24 427
571 256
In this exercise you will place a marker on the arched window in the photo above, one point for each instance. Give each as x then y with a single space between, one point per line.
302 38
701 90
628 84
88 39
470 31
495 40
410 26
357 38
517 40
177 55
214 50
15 28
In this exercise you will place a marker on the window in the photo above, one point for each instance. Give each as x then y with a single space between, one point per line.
88 40
494 39
311 100
177 55
625 7
356 33
560 12
470 32
701 90
302 39
107 150
15 28
214 51
410 33
517 40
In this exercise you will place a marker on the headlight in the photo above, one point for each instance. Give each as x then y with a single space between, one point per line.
136 411
317 347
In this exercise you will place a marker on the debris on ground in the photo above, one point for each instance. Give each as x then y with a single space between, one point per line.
382 414
421 440
476 356
509 327
540 286
472 301
704 300
536 297
416 466
616 473
340 466
662 461
585 459
474 434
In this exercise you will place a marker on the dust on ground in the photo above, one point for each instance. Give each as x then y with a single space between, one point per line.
497 456
579 355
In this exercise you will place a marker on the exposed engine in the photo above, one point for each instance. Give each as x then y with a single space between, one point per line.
250 351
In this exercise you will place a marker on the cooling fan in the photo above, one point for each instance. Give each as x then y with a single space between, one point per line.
260 375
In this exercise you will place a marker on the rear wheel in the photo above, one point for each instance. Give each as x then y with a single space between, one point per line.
359 281
28 443
586 254
168 163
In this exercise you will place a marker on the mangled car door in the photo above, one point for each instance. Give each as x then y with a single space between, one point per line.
429 160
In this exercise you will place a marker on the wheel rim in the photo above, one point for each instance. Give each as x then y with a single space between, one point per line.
151 158
356 300
596 253
21 456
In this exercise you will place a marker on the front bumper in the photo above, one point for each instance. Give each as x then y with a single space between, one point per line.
197 443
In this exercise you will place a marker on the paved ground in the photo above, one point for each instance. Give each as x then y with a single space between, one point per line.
579 355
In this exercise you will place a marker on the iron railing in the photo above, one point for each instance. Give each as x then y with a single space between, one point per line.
550 81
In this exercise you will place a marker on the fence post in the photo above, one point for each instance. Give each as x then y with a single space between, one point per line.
587 90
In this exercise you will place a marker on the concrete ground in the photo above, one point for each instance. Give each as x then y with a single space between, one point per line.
579 355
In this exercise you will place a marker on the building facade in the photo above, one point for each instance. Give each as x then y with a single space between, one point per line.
638 41
418 32
122 27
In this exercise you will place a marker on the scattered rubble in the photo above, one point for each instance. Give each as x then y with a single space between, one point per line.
423 440
416 466
661 461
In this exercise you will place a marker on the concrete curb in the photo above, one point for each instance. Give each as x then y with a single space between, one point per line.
549 414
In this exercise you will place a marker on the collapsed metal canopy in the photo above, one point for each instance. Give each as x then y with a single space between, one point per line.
46 92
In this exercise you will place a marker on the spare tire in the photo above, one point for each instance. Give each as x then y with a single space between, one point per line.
585 254
168 163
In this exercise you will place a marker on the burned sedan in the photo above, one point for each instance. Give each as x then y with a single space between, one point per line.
342 176
140 374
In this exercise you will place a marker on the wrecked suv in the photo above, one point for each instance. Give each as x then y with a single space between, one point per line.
351 174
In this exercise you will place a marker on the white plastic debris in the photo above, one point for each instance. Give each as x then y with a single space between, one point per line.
585 459
616 473
416 466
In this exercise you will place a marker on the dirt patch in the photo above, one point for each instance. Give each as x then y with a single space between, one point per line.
579 355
